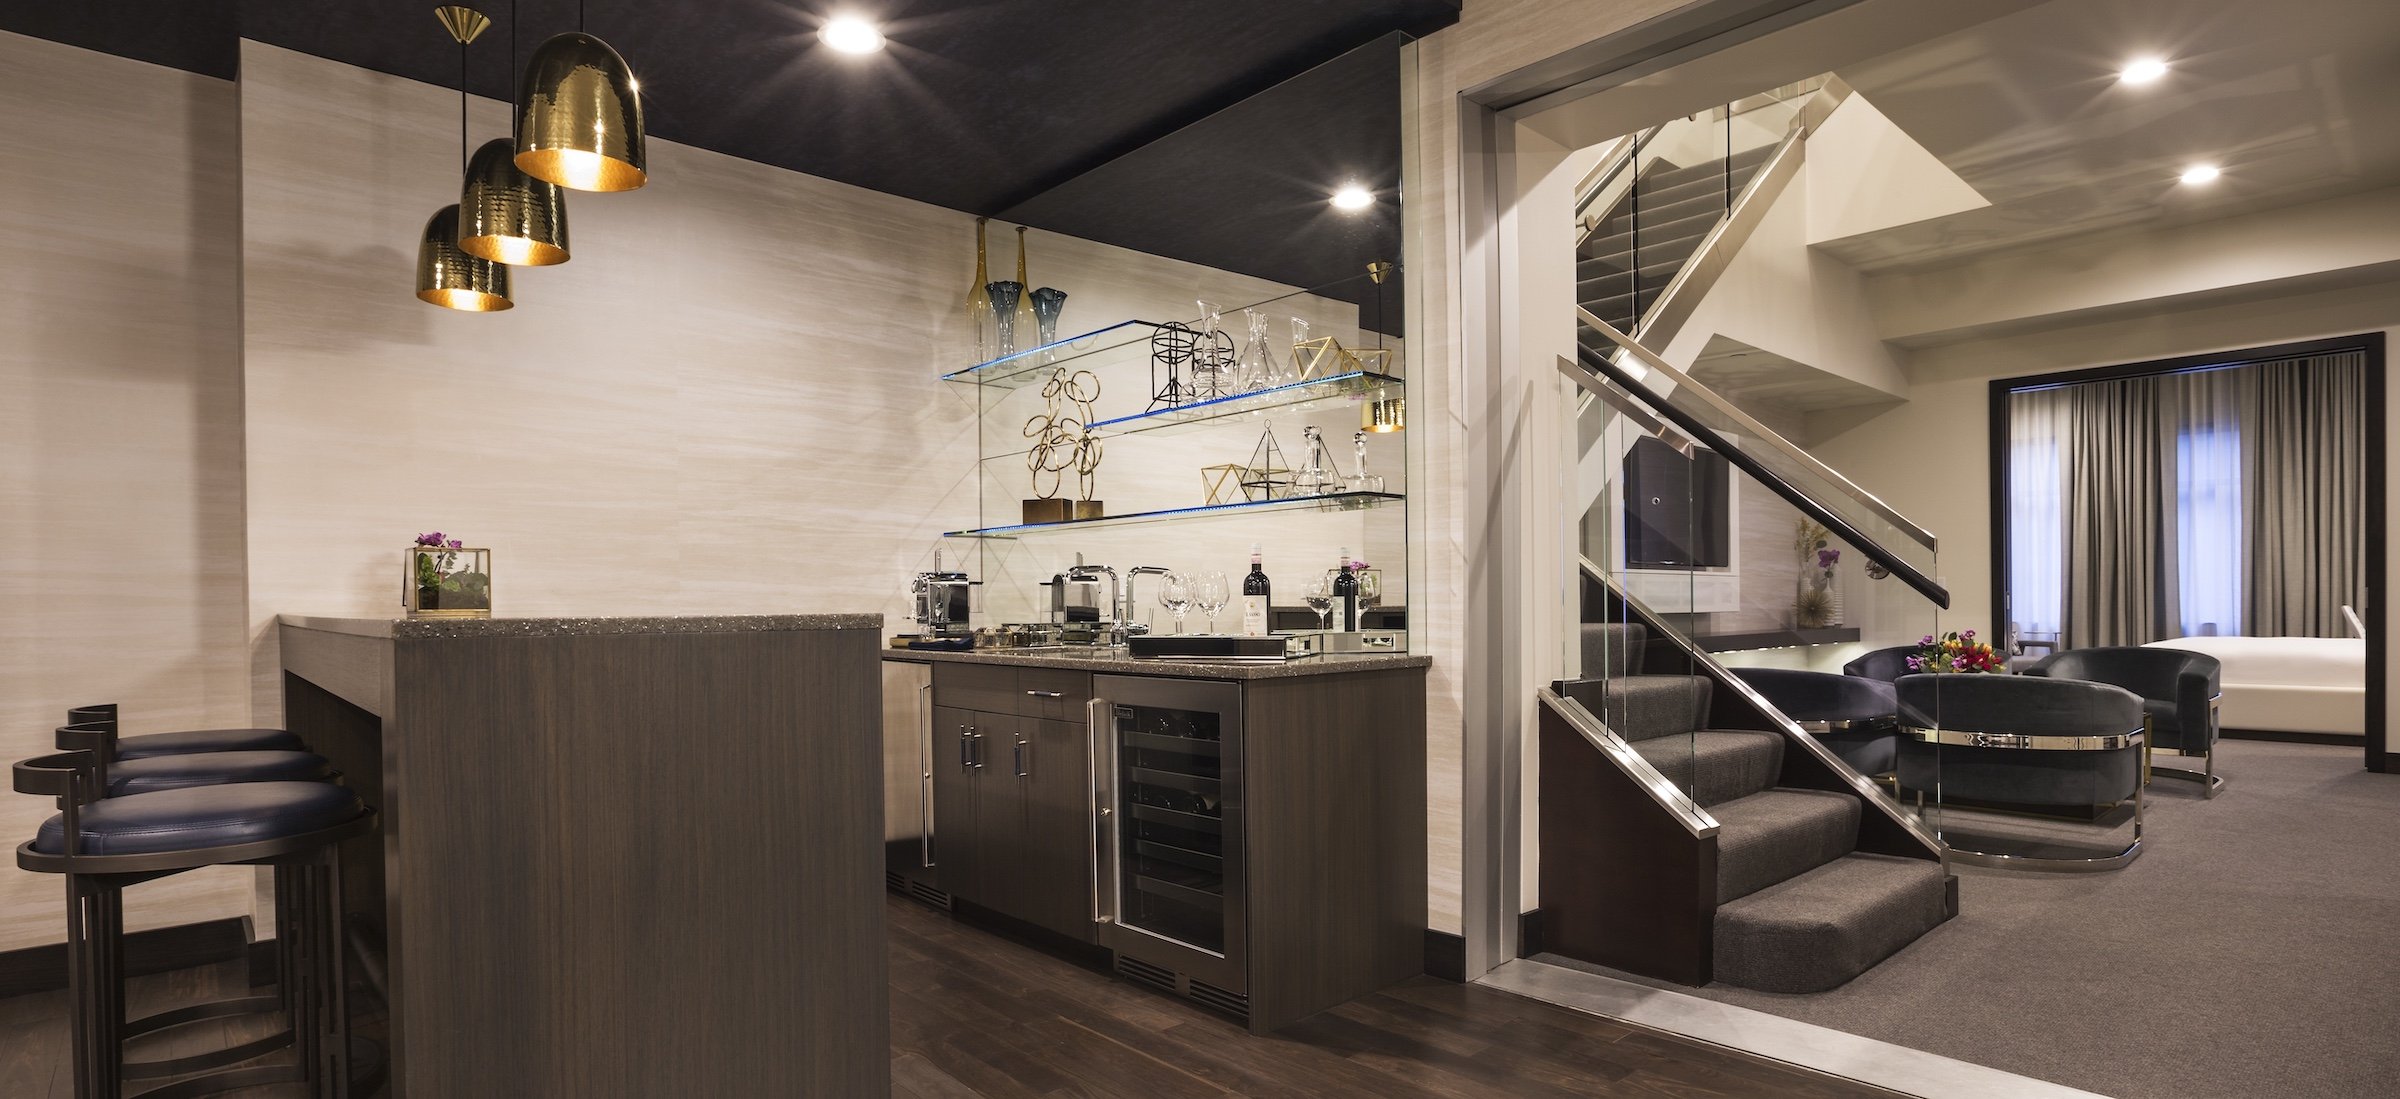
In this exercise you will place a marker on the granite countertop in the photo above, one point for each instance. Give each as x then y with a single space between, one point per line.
1120 664
413 628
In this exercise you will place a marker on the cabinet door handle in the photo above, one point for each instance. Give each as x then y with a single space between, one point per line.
925 780
966 749
979 749
1045 694
1021 771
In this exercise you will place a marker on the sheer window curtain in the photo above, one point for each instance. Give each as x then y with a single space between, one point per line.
2206 409
2036 509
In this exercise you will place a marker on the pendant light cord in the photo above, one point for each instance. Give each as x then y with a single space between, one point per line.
462 110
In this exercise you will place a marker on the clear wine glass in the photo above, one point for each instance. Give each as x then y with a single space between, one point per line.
1319 597
1175 594
1210 593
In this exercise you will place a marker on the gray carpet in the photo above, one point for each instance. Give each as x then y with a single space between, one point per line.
2253 949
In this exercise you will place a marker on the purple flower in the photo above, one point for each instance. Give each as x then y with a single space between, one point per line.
1916 664
456 544
1827 557
434 539
1967 636
1926 640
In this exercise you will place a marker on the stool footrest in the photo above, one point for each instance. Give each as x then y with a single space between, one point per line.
214 1009
215 1058
228 1080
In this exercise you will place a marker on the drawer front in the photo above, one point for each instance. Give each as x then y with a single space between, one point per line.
984 687
1054 694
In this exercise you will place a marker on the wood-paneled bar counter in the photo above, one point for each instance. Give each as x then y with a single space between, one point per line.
619 856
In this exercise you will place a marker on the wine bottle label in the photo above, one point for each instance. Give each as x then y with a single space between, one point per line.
1254 616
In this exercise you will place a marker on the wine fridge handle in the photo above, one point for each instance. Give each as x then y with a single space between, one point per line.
966 749
925 780
1103 820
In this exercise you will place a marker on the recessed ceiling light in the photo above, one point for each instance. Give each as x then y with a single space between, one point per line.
1353 197
851 34
2199 173
2143 70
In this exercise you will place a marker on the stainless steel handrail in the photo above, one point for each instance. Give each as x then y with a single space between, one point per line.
1793 733
1750 426
1666 794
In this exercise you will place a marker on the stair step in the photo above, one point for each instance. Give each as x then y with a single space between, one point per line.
1620 307
1747 158
1658 269
1598 249
1613 649
1652 212
1779 834
1716 766
1639 707
1818 930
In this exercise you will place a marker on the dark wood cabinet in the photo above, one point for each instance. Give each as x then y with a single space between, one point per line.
1011 795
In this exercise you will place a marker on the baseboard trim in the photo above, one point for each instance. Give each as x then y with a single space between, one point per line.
44 968
2279 736
1445 955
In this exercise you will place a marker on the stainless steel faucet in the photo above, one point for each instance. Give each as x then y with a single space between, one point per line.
1125 601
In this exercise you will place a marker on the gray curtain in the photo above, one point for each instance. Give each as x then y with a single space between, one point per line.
2115 449
2304 495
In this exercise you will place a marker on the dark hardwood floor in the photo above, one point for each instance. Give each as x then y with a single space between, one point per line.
975 1013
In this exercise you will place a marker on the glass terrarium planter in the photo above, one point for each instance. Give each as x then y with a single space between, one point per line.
447 582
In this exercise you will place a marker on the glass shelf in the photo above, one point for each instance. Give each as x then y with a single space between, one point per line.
1028 367
1339 501
1294 395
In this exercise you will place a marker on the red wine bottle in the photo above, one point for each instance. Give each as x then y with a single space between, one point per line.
1256 593
1345 594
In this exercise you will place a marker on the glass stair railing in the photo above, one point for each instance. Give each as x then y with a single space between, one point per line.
1646 210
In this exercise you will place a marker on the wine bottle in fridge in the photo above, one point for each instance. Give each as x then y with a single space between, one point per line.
1345 594
1256 593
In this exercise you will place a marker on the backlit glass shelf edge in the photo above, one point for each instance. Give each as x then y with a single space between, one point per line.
1028 366
1339 501
1293 395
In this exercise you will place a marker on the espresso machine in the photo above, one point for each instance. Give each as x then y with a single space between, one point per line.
942 608
1083 612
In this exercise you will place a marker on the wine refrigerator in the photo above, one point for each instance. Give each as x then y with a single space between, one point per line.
1167 854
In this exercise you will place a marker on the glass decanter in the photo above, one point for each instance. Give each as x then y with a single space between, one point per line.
1292 367
1316 476
1257 364
1208 365
1362 481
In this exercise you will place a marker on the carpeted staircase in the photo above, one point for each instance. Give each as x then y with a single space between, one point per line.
1656 226
1799 908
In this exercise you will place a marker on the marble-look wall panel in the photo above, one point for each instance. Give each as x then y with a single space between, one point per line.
120 429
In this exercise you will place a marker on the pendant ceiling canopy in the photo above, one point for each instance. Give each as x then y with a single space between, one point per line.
579 119
452 279
507 216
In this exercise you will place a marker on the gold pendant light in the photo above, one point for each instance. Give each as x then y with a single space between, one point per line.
507 216
452 279
446 275
579 119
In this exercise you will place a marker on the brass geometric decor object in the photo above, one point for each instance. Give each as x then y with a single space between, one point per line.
1223 484
1323 357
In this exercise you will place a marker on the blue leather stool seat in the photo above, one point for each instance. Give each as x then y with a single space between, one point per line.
190 741
201 817
152 774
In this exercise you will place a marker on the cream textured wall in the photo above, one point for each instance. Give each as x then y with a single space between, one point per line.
120 429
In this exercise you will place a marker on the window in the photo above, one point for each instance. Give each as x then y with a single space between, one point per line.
2208 529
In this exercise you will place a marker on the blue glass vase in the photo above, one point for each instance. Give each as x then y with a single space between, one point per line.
1004 316
1047 302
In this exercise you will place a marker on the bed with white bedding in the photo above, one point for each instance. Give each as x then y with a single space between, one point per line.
2288 684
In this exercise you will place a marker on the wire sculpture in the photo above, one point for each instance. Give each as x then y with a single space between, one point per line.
1062 437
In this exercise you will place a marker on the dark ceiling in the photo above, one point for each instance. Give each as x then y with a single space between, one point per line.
1039 111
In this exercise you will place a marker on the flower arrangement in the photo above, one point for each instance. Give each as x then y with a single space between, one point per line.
1813 602
448 579
1956 651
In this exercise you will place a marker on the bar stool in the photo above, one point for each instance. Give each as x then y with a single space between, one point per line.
101 845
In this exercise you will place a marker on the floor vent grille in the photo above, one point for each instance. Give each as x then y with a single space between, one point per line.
1231 1003
1146 973
929 895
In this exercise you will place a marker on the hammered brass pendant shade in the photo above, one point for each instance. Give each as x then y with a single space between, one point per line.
507 216
579 121
452 279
